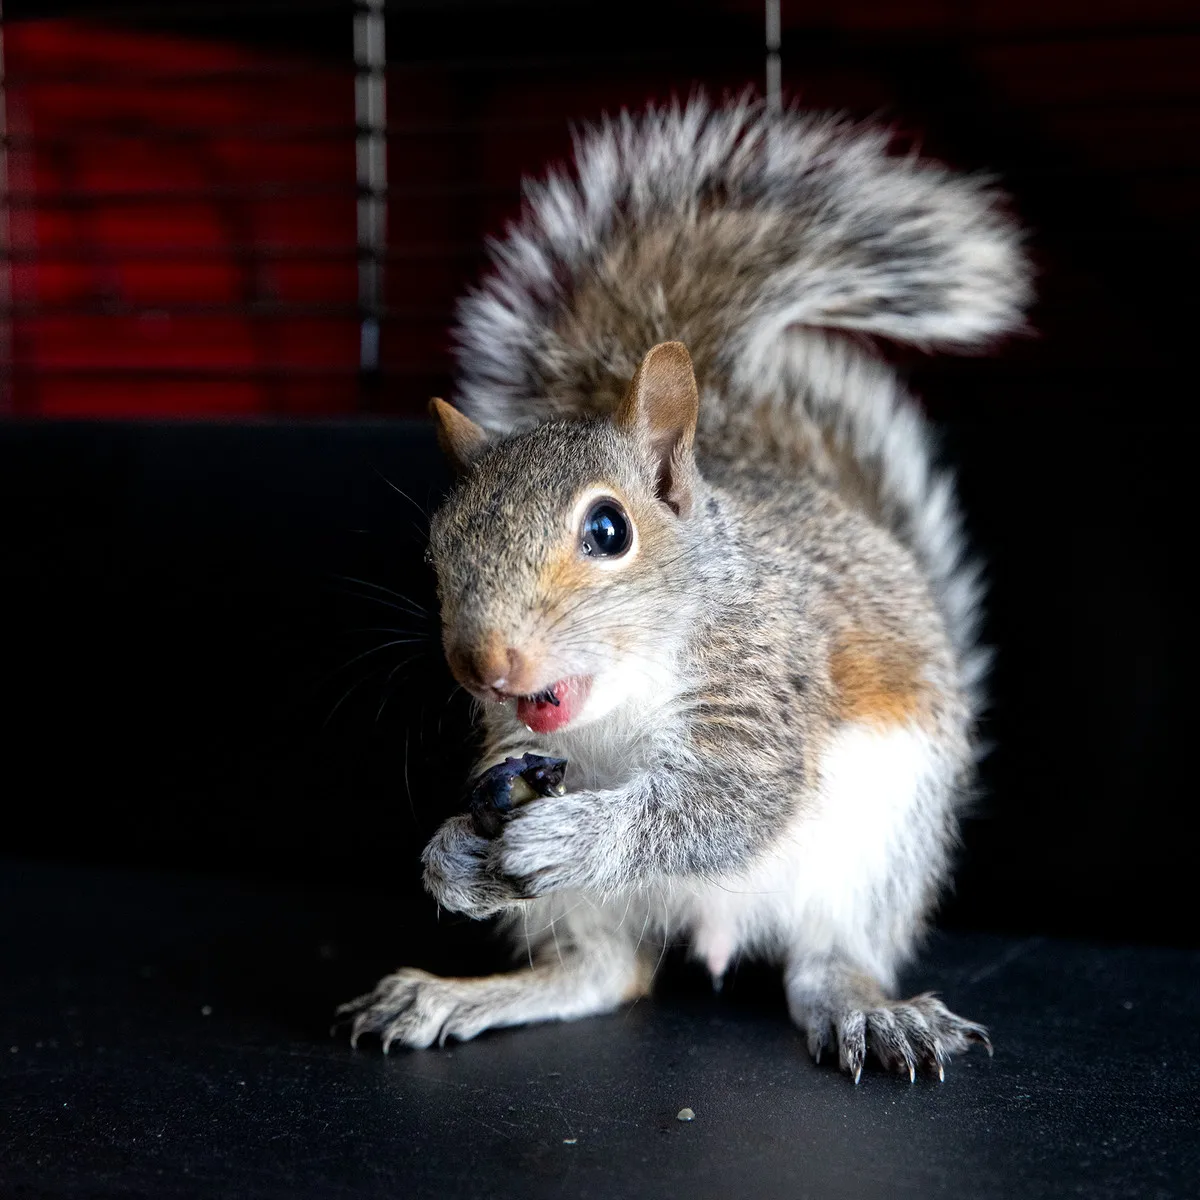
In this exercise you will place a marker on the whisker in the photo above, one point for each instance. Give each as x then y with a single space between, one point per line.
528 943
418 609
407 790
559 916
376 650
415 633
557 948
408 612
628 902
458 687
666 932
645 923
387 695
401 492
347 694
413 629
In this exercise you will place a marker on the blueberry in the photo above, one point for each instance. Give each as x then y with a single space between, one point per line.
491 797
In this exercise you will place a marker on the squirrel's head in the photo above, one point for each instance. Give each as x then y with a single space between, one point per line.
560 552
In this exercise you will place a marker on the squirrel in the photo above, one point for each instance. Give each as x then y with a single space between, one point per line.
700 549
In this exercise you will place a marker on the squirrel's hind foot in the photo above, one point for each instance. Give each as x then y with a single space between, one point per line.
908 1036
843 1010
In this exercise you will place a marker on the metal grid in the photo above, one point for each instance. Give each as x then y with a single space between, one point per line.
269 207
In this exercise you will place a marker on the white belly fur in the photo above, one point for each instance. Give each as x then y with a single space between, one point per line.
843 875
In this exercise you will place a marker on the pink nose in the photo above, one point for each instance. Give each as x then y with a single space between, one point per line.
493 665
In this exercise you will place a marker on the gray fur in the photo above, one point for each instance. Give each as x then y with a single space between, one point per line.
786 675
748 237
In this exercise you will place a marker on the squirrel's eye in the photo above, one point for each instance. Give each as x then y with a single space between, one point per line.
606 530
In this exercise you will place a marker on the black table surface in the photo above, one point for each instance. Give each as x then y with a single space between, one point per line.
168 1035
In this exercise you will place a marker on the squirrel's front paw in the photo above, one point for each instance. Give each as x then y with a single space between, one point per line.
460 871
417 1009
547 845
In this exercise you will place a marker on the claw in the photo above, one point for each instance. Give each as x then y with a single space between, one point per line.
817 1026
852 1035
922 1043
816 1047
353 1005
918 1035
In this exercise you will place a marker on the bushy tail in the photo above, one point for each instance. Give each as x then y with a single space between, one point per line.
751 238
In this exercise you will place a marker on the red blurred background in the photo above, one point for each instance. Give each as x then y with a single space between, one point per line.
182 196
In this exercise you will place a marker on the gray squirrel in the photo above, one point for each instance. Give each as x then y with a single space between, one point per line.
699 549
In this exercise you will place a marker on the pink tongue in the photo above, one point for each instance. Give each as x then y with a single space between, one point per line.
544 717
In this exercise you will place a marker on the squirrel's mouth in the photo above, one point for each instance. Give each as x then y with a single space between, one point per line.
554 707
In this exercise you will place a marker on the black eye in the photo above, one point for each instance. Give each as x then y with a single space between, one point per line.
606 530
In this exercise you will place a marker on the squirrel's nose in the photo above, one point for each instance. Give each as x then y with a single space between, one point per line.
493 665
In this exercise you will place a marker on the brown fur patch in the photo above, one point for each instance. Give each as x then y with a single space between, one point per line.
568 571
876 680
566 574
640 983
796 440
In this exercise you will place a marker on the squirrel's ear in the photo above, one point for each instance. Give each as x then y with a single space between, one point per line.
662 405
461 440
